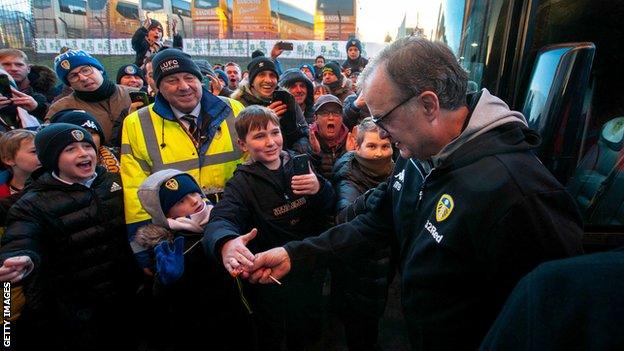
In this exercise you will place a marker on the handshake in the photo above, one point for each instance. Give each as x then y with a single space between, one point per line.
265 267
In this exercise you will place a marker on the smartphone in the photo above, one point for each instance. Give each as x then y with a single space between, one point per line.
281 95
285 45
139 96
301 164
5 86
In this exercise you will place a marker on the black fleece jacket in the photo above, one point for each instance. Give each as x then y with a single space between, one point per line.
467 232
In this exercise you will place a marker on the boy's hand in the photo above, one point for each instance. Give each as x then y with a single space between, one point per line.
15 269
147 22
215 86
278 107
305 184
236 256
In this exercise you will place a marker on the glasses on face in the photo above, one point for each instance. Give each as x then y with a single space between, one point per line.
378 119
75 76
329 113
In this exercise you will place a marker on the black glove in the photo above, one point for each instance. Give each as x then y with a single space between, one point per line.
375 196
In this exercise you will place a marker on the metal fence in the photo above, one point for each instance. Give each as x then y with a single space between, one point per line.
17 29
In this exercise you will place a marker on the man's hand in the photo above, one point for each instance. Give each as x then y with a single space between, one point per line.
236 256
314 143
24 101
278 107
359 101
305 184
135 106
276 51
174 25
215 86
147 22
4 101
274 262
15 269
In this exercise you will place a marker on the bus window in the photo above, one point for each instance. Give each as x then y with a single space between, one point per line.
206 4
127 10
42 4
74 7
96 5
152 5
181 7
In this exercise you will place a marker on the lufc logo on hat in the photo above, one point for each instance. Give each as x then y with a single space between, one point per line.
65 64
77 134
172 184
444 207
130 70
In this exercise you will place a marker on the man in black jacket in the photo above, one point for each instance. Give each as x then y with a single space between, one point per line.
471 219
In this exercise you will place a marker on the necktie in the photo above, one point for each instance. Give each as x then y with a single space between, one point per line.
192 125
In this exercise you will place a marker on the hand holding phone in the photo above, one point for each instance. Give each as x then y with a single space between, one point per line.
285 45
304 182
281 95
301 164
5 86
139 96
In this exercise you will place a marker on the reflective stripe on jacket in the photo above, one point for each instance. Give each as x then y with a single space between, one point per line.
153 141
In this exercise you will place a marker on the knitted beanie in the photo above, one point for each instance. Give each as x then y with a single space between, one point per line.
334 68
71 59
174 189
205 67
171 61
80 118
354 42
129 70
259 64
52 139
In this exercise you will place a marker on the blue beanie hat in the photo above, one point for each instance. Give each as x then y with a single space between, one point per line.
174 189
171 61
80 118
310 67
222 75
71 59
129 70
354 42
52 139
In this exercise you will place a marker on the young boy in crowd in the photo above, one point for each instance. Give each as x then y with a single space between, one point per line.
354 63
66 240
360 289
188 287
18 154
106 155
266 197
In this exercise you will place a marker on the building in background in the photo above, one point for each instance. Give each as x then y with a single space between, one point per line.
335 19
211 19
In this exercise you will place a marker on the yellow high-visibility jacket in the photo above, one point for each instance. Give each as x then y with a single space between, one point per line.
153 139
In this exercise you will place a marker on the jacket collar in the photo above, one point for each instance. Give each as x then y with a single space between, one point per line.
211 105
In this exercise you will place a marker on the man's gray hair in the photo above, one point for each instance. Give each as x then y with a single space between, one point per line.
416 65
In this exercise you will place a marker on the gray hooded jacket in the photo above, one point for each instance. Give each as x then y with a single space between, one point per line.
148 195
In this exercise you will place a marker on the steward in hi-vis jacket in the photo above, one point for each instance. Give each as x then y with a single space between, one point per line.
187 128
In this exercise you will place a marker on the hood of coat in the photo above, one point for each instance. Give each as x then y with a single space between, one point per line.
493 129
149 195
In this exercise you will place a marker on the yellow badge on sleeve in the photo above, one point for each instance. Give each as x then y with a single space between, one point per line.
444 207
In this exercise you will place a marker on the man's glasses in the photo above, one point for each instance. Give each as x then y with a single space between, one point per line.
75 76
329 113
378 119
